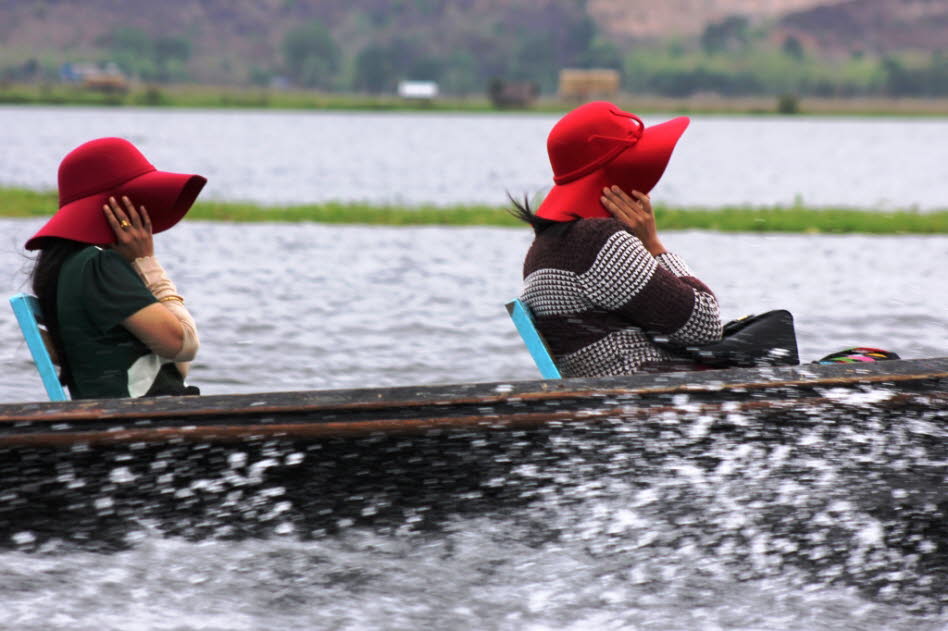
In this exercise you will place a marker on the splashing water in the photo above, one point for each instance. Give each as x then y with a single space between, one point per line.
832 517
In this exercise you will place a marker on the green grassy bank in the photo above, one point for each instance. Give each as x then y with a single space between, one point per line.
226 97
212 97
799 219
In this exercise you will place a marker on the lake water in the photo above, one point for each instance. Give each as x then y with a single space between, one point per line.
284 307
292 157
605 542
306 306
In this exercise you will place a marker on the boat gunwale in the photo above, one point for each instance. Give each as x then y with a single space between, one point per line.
426 425
510 392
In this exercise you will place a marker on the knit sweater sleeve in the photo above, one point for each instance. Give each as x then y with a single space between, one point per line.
657 295
677 266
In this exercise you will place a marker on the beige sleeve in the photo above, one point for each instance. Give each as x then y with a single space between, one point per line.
161 287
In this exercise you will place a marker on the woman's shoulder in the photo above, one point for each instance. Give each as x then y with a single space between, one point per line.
99 265
582 233
77 263
608 225
596 231
95 255
575 246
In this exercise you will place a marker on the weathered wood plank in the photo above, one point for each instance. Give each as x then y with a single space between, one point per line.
413 409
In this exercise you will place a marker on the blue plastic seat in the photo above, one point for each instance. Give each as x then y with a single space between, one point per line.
523 320
30 316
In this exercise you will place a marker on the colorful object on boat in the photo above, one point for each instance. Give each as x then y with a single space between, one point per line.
539 350
29 316
858 354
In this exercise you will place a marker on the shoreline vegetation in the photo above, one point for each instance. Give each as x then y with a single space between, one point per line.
221 97
15 202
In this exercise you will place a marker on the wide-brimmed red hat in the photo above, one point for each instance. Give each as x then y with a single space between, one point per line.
98 169
598 145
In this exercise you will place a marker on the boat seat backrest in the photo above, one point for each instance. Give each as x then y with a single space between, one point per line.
539 350
29 316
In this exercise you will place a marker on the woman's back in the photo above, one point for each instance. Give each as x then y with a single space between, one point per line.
116 322
97 291
597 293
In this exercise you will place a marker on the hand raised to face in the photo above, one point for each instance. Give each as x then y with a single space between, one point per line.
132 228
635 212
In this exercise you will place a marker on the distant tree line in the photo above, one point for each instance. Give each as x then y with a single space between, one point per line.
161 59
921 80
731 57
312 58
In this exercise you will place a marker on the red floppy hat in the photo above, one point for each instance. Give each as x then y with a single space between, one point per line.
598 145
107 167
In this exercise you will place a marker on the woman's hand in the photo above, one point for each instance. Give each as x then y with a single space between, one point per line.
636 214
132 229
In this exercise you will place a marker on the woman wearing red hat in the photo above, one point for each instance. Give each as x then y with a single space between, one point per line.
118 326
597 278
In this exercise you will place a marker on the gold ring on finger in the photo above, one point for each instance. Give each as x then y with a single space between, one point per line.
124 223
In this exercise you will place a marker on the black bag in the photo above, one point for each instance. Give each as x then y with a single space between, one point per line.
768 339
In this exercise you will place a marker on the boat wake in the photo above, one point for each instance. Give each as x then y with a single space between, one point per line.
844 495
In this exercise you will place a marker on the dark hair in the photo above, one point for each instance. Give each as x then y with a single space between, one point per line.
53 254
522 211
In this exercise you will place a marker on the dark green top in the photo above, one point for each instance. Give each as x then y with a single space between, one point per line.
97 290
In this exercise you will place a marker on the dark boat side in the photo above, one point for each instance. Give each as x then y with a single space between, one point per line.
491 406
873 437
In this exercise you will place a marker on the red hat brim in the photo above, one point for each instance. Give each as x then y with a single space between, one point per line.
638 168
167 197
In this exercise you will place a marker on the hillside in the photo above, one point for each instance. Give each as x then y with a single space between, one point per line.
879 26
228 39
255 24
366 45
646 20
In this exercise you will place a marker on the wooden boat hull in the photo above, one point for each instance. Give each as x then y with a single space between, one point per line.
314 415
92 473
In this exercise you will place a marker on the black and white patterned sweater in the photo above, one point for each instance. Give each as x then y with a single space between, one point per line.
595 291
